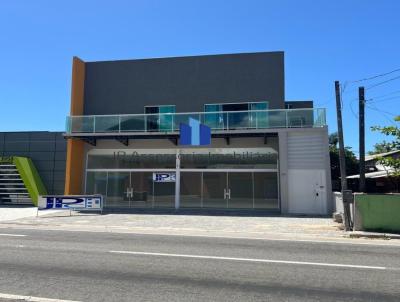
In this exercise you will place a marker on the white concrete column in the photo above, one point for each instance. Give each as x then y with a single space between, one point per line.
177 180
283 171
329 193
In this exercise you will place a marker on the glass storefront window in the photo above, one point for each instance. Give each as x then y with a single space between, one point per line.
118 183
191 189
230 190
233 178
96 183
266 191
224 158
131 160
190 158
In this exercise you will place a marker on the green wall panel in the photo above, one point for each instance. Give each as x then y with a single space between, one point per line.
30 177
379 212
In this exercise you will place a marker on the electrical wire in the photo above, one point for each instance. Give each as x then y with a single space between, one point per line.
351 108
387 94
384 113
390 113
374 101
374 77
381 83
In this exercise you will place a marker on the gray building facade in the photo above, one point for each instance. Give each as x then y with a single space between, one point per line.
124 137
126 87
47 151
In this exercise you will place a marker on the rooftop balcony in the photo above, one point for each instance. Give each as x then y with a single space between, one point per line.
219 122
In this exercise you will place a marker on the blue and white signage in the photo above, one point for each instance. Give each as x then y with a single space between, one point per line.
194 133
164 177
88 202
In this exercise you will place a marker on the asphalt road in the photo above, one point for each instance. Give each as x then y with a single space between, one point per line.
84 266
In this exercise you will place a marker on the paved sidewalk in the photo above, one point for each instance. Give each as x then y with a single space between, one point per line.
270 227
193 225
8 213
12 213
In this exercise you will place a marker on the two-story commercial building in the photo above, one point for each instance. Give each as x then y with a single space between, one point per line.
123 138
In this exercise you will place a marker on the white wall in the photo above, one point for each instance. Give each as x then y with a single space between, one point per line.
308 172
307 191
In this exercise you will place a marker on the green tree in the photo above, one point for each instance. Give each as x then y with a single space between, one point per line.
352 165
383 147
391 163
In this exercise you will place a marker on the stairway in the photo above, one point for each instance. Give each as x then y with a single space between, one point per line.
12 187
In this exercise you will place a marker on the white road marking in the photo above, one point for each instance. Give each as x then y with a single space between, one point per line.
349 241
251 260
32 299
13 235
354 242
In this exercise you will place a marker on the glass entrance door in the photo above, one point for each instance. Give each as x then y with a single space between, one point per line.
191 190
240 189
234 190
129 189
119 192
164 189
142 189
198 189
266 192
215 190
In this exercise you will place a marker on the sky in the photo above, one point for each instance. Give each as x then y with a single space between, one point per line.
323 41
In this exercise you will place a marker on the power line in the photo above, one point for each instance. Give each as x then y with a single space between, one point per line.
383 113
375 76
390 113
374 101
344 91
381 83
387 94
351 108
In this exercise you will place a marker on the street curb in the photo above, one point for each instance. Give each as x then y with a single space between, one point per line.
360 234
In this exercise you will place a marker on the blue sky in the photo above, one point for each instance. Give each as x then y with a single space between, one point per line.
323 41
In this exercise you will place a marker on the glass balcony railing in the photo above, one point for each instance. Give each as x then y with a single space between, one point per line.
169 122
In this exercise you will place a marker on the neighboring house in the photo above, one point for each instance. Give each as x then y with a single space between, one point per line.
377 176
265 154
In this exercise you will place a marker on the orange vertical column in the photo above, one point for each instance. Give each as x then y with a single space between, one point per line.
75 148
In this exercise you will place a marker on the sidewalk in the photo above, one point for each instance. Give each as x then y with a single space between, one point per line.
276 227
9 213
12 213
193 225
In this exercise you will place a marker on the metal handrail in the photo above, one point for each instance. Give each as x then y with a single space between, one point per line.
317 119
203 112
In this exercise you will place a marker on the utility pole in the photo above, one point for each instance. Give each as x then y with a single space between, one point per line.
342 156
342 161
361 119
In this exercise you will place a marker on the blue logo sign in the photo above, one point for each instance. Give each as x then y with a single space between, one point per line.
70 202
194 134
64 202
164 177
